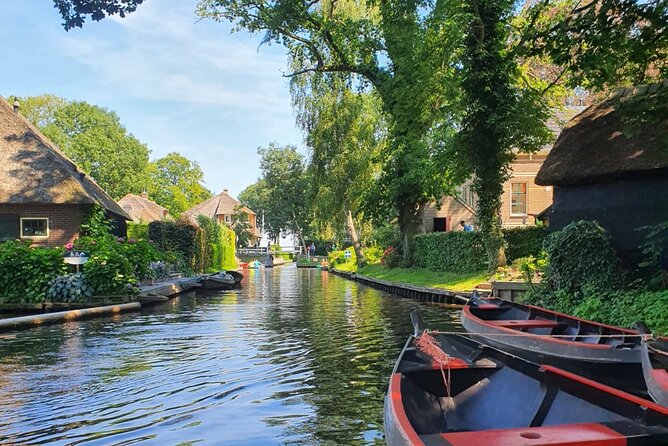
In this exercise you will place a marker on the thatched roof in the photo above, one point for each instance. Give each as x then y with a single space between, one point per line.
34 170
141 209
221 204
624 137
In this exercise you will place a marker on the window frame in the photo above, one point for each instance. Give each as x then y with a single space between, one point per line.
526 199
34 237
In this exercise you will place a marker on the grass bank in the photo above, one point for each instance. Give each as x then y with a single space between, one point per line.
419 276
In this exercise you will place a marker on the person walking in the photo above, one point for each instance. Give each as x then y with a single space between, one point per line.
465 227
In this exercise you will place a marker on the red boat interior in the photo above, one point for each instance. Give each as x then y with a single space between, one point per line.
498 391
527 319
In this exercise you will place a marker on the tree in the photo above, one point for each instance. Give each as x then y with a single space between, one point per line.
400 48
75 12
285 189
94 139
345 133
175 182
242 227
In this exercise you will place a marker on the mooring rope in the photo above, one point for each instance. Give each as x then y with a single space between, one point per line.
429 346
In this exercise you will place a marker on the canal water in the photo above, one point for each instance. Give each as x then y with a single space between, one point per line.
295 357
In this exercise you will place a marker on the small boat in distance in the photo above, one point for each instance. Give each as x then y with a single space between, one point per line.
655 369
483 396
596 351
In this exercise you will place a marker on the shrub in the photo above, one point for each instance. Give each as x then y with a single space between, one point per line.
108 271
138 231
372 254
524 242
336 257
456 251
390 258
69 288
386 236
579 257
25 272
180 238
140 253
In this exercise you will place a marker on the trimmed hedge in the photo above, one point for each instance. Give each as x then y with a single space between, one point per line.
455 251
180 238
524 242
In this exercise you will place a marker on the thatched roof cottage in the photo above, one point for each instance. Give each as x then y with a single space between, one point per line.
610 164
43 194
221 208
143 210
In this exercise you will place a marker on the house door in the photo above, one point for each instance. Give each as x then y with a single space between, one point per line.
441 224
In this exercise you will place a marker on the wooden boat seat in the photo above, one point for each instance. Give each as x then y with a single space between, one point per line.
525 323
487 307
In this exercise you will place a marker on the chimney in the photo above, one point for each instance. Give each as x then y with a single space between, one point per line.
144 195
225 191
16 105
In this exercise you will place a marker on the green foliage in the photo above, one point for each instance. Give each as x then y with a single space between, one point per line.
531 267
75 12
175 183
69 288
138 231
179 238
219 245
372 254
524 241
94 139
337 257
624 308
242 227
654 250
455 251
109 271
25 272
579 257
95 223
390 257
387 235
140 253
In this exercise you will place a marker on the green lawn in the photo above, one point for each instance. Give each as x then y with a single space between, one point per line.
419 276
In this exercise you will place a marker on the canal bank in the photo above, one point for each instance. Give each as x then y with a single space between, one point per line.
294 357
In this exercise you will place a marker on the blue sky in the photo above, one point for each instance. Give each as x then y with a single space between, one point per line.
176 83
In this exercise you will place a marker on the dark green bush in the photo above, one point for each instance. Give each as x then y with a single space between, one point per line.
579 257
456 251
25 272
524 242
108 270
180 238
386 236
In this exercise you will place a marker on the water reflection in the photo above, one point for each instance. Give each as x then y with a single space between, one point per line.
296 357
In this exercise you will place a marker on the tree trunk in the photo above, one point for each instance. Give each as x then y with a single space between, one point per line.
361 260
299 232
409 225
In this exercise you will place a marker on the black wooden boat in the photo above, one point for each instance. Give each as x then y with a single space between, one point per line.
238 277
217 281
655 369
498 399
597 351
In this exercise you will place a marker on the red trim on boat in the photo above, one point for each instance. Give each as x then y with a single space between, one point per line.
660 376
525 323
584 434
487 307
607 389
568 316
466 313
453 363
400 413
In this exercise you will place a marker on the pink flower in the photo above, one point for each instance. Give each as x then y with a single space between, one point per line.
131 240
120 239
69 246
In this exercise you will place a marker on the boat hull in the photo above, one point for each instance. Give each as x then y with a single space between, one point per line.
656 379
619 367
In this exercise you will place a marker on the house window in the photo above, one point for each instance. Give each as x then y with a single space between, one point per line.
518 203
440 224
228 219
34 227
9 227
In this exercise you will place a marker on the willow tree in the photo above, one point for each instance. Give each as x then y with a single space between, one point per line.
345 133
404 50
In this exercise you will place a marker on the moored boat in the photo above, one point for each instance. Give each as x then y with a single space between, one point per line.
483 396
654 366
597 351
238 277
217 281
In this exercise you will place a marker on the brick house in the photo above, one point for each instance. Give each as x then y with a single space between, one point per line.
222 207
610 164
522 198
143 210
43 194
